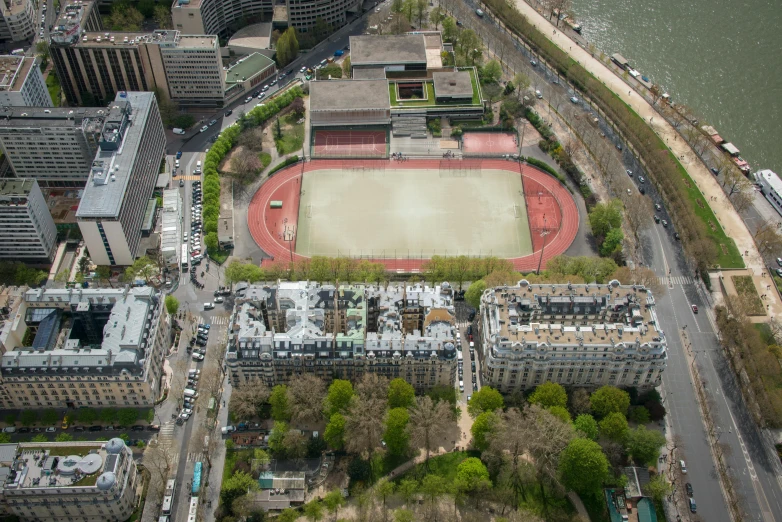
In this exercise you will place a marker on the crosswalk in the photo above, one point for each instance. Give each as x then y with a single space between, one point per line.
676 280
188 178
166 432
195 456
463 324
219 319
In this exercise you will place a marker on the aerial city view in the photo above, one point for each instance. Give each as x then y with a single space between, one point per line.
390 260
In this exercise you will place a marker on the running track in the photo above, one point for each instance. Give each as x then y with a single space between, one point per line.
268 225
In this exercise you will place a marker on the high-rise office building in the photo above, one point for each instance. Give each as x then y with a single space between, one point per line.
17 20
122 178
21 83
27 230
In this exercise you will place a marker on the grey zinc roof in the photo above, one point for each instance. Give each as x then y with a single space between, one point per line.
387 49
105 199
458 83
369 73
334 95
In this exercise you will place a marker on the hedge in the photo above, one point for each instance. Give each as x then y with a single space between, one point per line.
224 143
290 161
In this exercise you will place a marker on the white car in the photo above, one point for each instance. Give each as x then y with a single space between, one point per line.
198 357
219 299
204 128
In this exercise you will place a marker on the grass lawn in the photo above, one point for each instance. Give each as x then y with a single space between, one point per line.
746 289
292 135
443 465
53 85
219 256
265 158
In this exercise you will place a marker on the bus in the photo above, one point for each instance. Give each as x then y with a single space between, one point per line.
184 256
192 514
197 478
168 498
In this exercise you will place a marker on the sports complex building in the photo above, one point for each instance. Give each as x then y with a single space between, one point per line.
353 198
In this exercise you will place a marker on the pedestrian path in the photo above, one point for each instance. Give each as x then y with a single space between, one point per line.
676 280
166 432
196 456
188 178
219 319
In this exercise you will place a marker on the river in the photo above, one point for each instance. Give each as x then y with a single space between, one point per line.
722 58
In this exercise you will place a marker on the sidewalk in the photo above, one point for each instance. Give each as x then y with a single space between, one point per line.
727 216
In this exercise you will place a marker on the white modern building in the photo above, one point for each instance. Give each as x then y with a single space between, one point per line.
771 187
122 179
22 83
171 228
27 230
74 481
91 347
574 335
17 20
54 145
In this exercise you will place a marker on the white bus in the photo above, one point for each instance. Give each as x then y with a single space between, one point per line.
184 256
168 499
192 515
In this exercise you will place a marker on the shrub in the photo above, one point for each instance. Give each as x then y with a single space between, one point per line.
290 161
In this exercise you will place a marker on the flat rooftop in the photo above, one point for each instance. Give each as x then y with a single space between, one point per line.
247 68
335 95
194 4
255 36
369 73
38 117
453 84
387 49
13 71
16 187
197 42
104 199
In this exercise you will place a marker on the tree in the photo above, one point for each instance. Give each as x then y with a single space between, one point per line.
306 393
658 488
28 417
384 489
277 437
297 107
587 426
142 268
40 438
49 417
483 428
612 242
279 402
5 438
644 445
472 476
583 467
549 394
127 416
338 397
364 425
768 239
61 437
408 489
396 436
450 30
125 17
42 50
248 399
373 386
605 216
614 427
400 394
314 510
609 399
162 16
238 484
403 515
579 401
333 501
172 304
436 16
434 486
474 293
561 413
428 420
295 444
485 399
245 164
491 72
334 435
347 72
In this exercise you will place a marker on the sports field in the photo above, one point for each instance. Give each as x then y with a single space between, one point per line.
411 211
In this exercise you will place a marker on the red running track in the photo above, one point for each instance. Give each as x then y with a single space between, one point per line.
338 143
543 194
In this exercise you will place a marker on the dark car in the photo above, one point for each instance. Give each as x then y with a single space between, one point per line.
473 365
229 112
642 190
153 427
658 207
471 316
137 427
95 428
201 342
23 430
178 154
676 236
618 146
688 489
656 219
79 428
469 330
715 171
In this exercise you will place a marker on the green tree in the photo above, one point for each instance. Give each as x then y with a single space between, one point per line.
333 501
314 510
491 72
172 304
434 486
605 216
287 515
396 436
403 515
561 413
277 437
644 445
400 394
5 438
42 50
472 476
609 399
436 16
485 399
335 431
104 274
450 30
587 425
49 417
612 242
279 402
236 485
39 438
162 16
125 17
614 427
142 268
63 437
408 489
127 416
583 467
89 415
384 489
639 415
146 7
482 429
474 293
658 488
28 417
549 394
338 397
210 241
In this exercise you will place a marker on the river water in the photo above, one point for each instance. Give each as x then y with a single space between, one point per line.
723 58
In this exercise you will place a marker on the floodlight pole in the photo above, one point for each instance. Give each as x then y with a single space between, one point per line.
543 234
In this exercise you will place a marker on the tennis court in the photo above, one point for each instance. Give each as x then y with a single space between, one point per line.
489 143
349 143
405 211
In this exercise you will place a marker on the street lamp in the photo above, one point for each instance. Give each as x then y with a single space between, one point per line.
543 234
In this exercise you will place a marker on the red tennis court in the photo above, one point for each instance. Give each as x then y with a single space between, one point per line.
490 143
349 143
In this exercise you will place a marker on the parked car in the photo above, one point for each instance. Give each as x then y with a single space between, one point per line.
95 428
219 300
204 129
688 489
574 99
212 122
178 154
137 427
695 309
229 112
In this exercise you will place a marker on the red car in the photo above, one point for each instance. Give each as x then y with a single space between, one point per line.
695 309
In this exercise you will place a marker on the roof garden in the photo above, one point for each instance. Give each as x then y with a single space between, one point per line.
425 96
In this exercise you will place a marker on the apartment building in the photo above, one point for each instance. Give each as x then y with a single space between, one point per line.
575 335
17 20
341 332
74 481
303 14
122 179
27 230
55 146
68 348
22 83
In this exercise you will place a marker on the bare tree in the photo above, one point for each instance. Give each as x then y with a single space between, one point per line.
427 421
734 181
509 442
251 139
247 399
638 212
364 425
546 436
768 239
305 398
245 163
159 460
372 386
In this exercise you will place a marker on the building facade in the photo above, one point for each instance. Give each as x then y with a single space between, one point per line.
341 332
55 146
22 83
122 179
75 481
304 14
17 22
69 348
574 335
27 230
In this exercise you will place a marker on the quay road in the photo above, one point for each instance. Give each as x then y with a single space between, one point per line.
748 459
